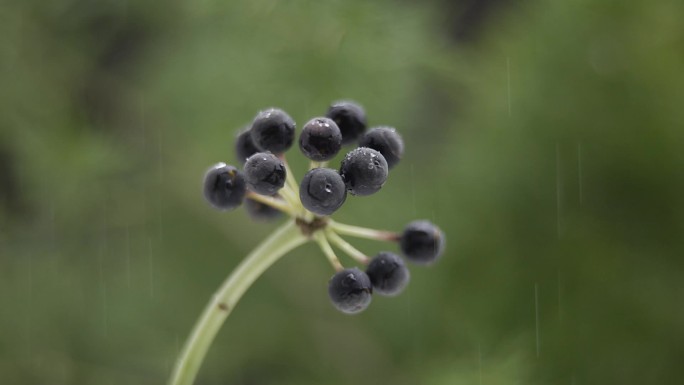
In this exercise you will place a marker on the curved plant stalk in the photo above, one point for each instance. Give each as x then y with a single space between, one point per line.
284 239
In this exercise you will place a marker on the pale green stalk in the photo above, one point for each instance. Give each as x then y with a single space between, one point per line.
284 239
362 232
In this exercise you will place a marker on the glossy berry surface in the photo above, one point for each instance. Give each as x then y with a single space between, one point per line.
387 141
320 139
364 171
350 118
244 146
273 130
264 173
350 291
322 191
388 273
261 211
224 186
422 242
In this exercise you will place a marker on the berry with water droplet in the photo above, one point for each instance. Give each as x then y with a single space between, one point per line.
364 171
388 274
320 139
387 141
350 291
350 118
224 186
265 173
322 191
273 130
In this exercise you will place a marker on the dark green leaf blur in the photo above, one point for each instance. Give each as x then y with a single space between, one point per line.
546 138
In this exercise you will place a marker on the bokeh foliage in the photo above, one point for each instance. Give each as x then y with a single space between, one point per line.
548 147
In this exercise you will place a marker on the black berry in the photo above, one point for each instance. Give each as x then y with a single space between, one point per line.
364 171
244 146
350 291
261 211
350 118
422 242
388 274
387 141
320 139
224 186
273 130
322 191
264 173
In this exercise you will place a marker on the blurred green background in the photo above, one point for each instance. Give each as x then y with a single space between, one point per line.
545 138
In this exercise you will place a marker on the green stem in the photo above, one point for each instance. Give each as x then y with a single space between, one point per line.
346 247
277 204
327 250
362 232
286 238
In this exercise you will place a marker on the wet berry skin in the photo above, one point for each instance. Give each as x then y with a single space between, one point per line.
387 141
264 173
322 191
422 242
273 130
260 211
364 171
244 146
388 274
350 291
224 186
350 118
320 139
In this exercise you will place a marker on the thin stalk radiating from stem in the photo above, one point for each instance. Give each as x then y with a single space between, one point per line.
289 196
284 239
271 201
319 236
363 232
346 247
290 179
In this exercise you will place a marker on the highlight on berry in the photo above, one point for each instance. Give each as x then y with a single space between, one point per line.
264 182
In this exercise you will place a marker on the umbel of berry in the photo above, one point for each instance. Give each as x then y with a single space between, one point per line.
224 186
350 290
265 173
322 191
273 130
364 171
387 141
422 242
320 139
244 146
350 118
388 274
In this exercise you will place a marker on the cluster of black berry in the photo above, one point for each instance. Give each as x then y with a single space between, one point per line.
269 189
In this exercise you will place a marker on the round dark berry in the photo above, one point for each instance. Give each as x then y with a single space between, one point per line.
350 291
261 211
224 186
244 146
387 141
364 171
388 274
265 173
322 191
273 130
422 242
320 139
350 118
